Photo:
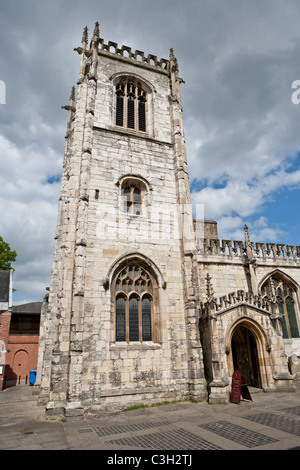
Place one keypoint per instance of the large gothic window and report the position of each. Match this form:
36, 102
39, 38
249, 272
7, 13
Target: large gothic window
283, 300
131, 101
133, 294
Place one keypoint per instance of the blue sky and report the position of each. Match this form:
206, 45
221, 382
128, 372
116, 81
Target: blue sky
274, 219
238, 60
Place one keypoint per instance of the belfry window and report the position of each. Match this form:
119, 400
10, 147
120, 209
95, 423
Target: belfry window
131, 104
283, 300
133, 291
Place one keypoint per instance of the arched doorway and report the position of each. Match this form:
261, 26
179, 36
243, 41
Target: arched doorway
245, 355
20, 364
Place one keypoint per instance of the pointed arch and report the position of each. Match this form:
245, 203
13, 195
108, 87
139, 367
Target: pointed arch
133, 103
252, 325
282, 292
134, 283
285, 276
131, 96
137, 177
260, 361
139, 258
146, 83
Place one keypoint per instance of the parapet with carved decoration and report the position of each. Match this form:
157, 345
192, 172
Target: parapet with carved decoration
275, 251
124, 52
218, 305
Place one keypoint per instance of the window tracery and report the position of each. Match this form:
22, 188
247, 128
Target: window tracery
133, 292
283, 300
131, 101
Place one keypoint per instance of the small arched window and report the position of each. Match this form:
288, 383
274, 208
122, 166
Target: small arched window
132, 199
283, 299
131, 101
133, 194
133, 291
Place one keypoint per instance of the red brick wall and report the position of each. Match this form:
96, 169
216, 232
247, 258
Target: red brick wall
21, 355
21, 358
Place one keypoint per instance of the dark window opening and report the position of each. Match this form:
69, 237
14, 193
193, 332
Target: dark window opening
131, 105
142, 116
146, 319
130, 112
133, 319
120, 108
120, 319
22, 324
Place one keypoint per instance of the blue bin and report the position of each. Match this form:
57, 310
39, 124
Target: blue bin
32, 377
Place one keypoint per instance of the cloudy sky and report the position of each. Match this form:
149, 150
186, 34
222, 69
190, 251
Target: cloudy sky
238, 58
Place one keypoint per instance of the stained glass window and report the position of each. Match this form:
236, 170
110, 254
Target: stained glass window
120, 318
282, 298
146, 318
133, 319
133, 291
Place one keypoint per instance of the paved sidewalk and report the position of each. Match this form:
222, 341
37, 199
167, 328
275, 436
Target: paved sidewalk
270, 422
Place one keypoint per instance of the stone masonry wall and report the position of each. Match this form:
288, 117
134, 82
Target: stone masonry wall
113, 234
227, 263
148, 371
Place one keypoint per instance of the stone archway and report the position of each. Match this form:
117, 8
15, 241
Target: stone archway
245, 355
20, 364
248, 346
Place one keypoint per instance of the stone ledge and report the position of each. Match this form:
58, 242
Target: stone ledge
134, 346
134, 134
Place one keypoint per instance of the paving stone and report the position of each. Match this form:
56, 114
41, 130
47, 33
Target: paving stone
238, 434
272, 420
178, 439
188, 427
119, 429
294, 410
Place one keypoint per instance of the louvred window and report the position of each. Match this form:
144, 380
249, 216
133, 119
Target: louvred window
131, 101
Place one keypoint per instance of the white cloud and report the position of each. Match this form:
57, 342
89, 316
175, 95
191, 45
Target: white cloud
235, 197
232, 228
236, 202
244, 198
28, 207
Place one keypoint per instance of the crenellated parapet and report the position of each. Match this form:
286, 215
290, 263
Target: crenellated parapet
123, 52
137, 55
273, 250
216, 305
221, 247
259, 250
213, 305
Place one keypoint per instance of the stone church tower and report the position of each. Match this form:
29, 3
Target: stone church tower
141, 309
120, 326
